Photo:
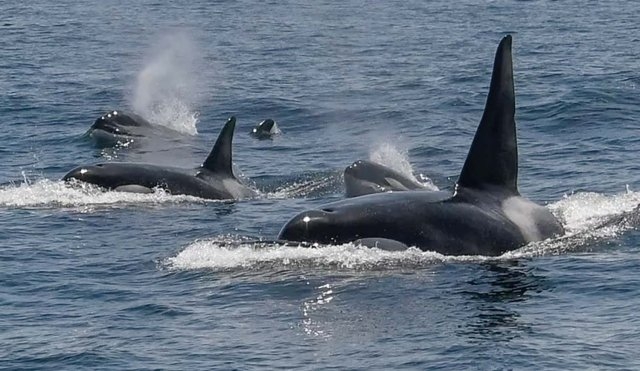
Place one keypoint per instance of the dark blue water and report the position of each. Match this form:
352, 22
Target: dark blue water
92, 280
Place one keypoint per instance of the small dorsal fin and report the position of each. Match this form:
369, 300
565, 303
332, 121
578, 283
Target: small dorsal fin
493, 157
219, 160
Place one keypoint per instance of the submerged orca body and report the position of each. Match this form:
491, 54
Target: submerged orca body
485, 215
265, 129
118, 127
365, 177
214, 179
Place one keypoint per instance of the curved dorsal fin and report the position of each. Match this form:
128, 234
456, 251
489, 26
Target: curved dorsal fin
219, 160
493, 156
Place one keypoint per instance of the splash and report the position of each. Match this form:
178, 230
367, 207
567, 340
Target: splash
311, 184
306, 187
224, 254
167, 87
388, 155
582, 212
48, 193
588, 219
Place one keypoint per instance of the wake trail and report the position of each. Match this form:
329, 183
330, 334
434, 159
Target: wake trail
588, 218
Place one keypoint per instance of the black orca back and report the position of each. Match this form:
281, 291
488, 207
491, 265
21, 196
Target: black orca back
493, 157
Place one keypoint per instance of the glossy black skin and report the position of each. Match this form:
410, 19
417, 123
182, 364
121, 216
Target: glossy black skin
197, 182
118, 127
470, 223
485, 215
265, 130
214, 179
366, 177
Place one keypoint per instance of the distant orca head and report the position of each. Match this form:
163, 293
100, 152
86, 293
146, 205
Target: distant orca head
485, 215
366, 177
118, 127
265, 129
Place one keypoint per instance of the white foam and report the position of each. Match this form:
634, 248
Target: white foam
224, 255
585, 217
583, 211
48, 193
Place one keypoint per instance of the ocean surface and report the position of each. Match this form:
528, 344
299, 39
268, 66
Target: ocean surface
109, 281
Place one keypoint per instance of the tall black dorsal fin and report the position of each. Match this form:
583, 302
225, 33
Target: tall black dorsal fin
493, 156
219, 160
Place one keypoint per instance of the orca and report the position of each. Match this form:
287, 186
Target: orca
265, 129
214, 179
365, 177
485, 215
124, 128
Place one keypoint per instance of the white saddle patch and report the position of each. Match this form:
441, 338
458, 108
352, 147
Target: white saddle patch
237, 190
522, 213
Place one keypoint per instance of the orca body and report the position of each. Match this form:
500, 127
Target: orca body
214, 179
265, 129
365, 177
485, 215
124, 128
